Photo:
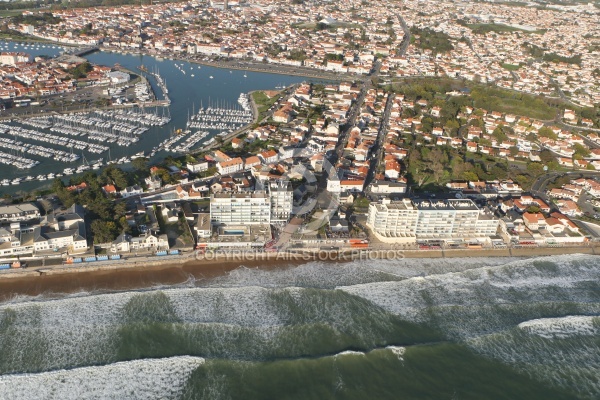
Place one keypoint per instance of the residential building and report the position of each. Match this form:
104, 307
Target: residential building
408, 220
131, 191
147, 241
230, 166
199, 166
19, 212
240, 208
282, 198
203, 226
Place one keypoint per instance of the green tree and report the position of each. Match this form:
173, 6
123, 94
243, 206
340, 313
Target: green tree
547, 132
535, 168
470, 176
104, 231
580, 151
547, 156
499, 134
140, 164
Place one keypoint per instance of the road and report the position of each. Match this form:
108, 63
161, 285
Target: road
539, 185
377, 149
353, 114
406, 40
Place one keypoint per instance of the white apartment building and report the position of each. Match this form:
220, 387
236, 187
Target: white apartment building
62, 232
230, 166
407, 220
282, 198
11, 58
19, 212
240, 208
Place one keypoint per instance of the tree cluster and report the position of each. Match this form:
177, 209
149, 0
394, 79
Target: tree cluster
107, 216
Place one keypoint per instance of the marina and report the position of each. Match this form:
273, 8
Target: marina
223, 116
59, 144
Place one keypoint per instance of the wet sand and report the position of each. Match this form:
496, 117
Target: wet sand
127, 278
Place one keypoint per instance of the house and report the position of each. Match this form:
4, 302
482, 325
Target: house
269, 156
284, 115
352, 185
569, 115
230, 166
170, 213
237, 143
77, 188
472, 147
569, 208
199, 166
534, 221
147, 241
109, 190
251, 162
338, 225
131, 191
387, 187
203, 226
392, 169
566, 162
153, 182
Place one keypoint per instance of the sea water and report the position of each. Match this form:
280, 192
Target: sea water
479, 328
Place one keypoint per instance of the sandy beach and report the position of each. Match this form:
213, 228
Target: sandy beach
137, 274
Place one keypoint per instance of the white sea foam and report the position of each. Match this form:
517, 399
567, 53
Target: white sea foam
398, 351
575, 325
330, 275
140, 379
62, 331
466, 304
350, 353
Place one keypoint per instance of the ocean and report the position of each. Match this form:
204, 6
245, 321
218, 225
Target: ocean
472, 328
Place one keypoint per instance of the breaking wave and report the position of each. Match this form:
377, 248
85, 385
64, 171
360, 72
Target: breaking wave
139, 379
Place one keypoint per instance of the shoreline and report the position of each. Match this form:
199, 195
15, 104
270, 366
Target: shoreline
136, 275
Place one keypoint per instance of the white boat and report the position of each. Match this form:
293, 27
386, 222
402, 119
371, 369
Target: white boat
29, 178
41, 177
68, 171
5, 182
51, 175
16, 181
211, 77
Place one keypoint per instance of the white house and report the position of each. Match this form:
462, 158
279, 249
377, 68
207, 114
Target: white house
131, 191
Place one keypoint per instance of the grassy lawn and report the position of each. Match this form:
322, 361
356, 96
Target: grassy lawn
482, 29
510, 67
507, 101
16, 36
10, 13
263, 103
